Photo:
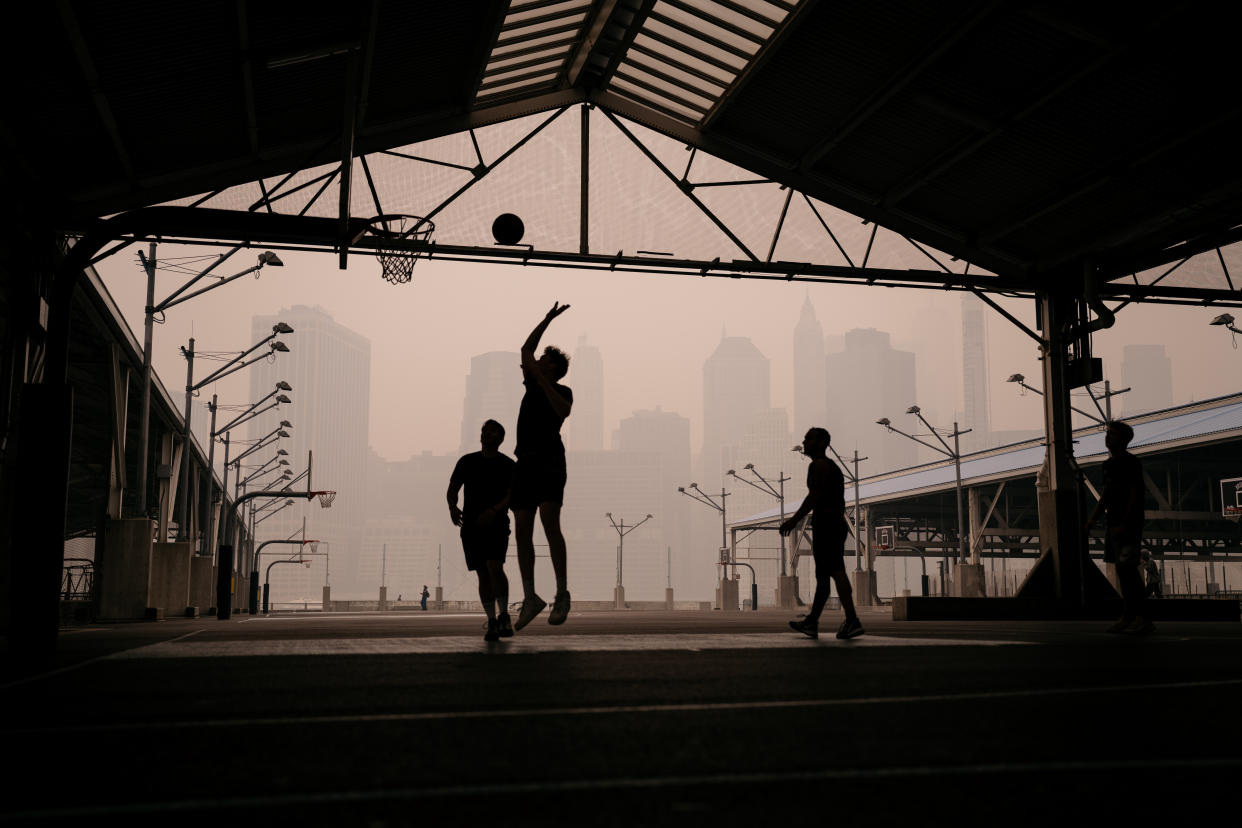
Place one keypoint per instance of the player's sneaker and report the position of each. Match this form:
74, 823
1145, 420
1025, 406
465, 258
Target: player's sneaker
531, 607
852, 628
493, 631
560, 609
504, 626
807, 629
1141, 626
1120, 625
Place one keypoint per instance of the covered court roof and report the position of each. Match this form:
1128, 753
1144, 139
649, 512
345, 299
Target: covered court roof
1198, 424
1023, 138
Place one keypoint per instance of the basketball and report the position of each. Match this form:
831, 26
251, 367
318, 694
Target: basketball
507, 229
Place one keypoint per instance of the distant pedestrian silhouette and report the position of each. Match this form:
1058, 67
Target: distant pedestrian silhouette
539, 480
423, 597
487, 476
825, 502
1155, 587
1121, 501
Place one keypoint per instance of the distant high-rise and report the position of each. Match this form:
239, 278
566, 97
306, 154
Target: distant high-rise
976, 407
493, 392
329, 367
736, 387
586, 379
1148, 372
808, 365
868, 380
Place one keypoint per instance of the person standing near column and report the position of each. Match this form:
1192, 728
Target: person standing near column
1121, 501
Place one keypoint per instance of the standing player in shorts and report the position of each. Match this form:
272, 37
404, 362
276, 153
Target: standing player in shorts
539, 480
825, 501
487, 476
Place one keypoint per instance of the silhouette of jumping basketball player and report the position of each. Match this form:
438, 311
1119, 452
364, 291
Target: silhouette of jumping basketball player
825, 501
487, 476
539, 480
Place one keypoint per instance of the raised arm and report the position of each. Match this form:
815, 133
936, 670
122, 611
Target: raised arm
532, 341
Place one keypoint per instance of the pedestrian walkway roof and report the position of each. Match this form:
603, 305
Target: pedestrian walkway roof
1198, 424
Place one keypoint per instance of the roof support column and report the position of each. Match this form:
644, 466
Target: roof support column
1063, 571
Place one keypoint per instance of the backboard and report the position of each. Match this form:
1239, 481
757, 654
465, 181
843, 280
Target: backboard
884, 538
1231, 498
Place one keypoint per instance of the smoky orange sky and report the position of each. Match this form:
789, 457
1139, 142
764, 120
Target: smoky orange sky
654, 333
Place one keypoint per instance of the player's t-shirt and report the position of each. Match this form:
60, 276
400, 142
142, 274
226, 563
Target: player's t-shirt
824, 476
486, 481
1122, 474
538, 424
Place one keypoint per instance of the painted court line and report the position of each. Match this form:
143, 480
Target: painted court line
626, 709
619, 784
447, 644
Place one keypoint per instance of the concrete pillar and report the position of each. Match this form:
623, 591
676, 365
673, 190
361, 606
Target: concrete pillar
383, 599
968, 581
440, 598
786, 591
327, 598
202, 581
668, 598
974, 500
728, 595
864, 587
123, 569
169, 583
618, 597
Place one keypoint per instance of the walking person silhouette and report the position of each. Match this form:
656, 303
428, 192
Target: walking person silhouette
487, 476
539, 479
825, 502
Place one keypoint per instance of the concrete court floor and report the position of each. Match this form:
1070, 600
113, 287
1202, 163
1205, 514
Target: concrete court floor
626, 718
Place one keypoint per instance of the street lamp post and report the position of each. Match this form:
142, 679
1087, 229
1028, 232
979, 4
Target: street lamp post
622, 531
150, 265
1105, 413
695, 493
784, 590
232, 366
954, 453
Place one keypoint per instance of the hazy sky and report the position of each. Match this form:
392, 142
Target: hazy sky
654, 333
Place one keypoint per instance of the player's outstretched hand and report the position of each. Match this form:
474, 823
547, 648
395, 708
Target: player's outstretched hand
557, 310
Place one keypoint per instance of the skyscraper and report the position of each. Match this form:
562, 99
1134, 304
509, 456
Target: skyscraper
736, 388
586, 378
868, 380
1148, 372
808, 363
493, 392
976, 408
329, 367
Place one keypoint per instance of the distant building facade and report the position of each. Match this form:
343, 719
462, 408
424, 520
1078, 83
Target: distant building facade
586, 378
810, 400
1148, 372
329, 367
493, 392
866, 380
976, 404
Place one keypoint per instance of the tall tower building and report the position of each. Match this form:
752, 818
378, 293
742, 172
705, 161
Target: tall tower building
493, 392
586, 378
329, 367
976, 406
666, 436
868, 380
1148, 372
808, 364
736, 388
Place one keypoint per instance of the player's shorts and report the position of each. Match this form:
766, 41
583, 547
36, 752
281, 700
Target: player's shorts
538, 479
828, 548
484, 546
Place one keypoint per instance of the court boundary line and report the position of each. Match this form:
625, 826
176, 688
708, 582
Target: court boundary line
632, 783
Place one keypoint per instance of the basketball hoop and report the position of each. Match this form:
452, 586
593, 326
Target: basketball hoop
325, 498
314, 545
391, 234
